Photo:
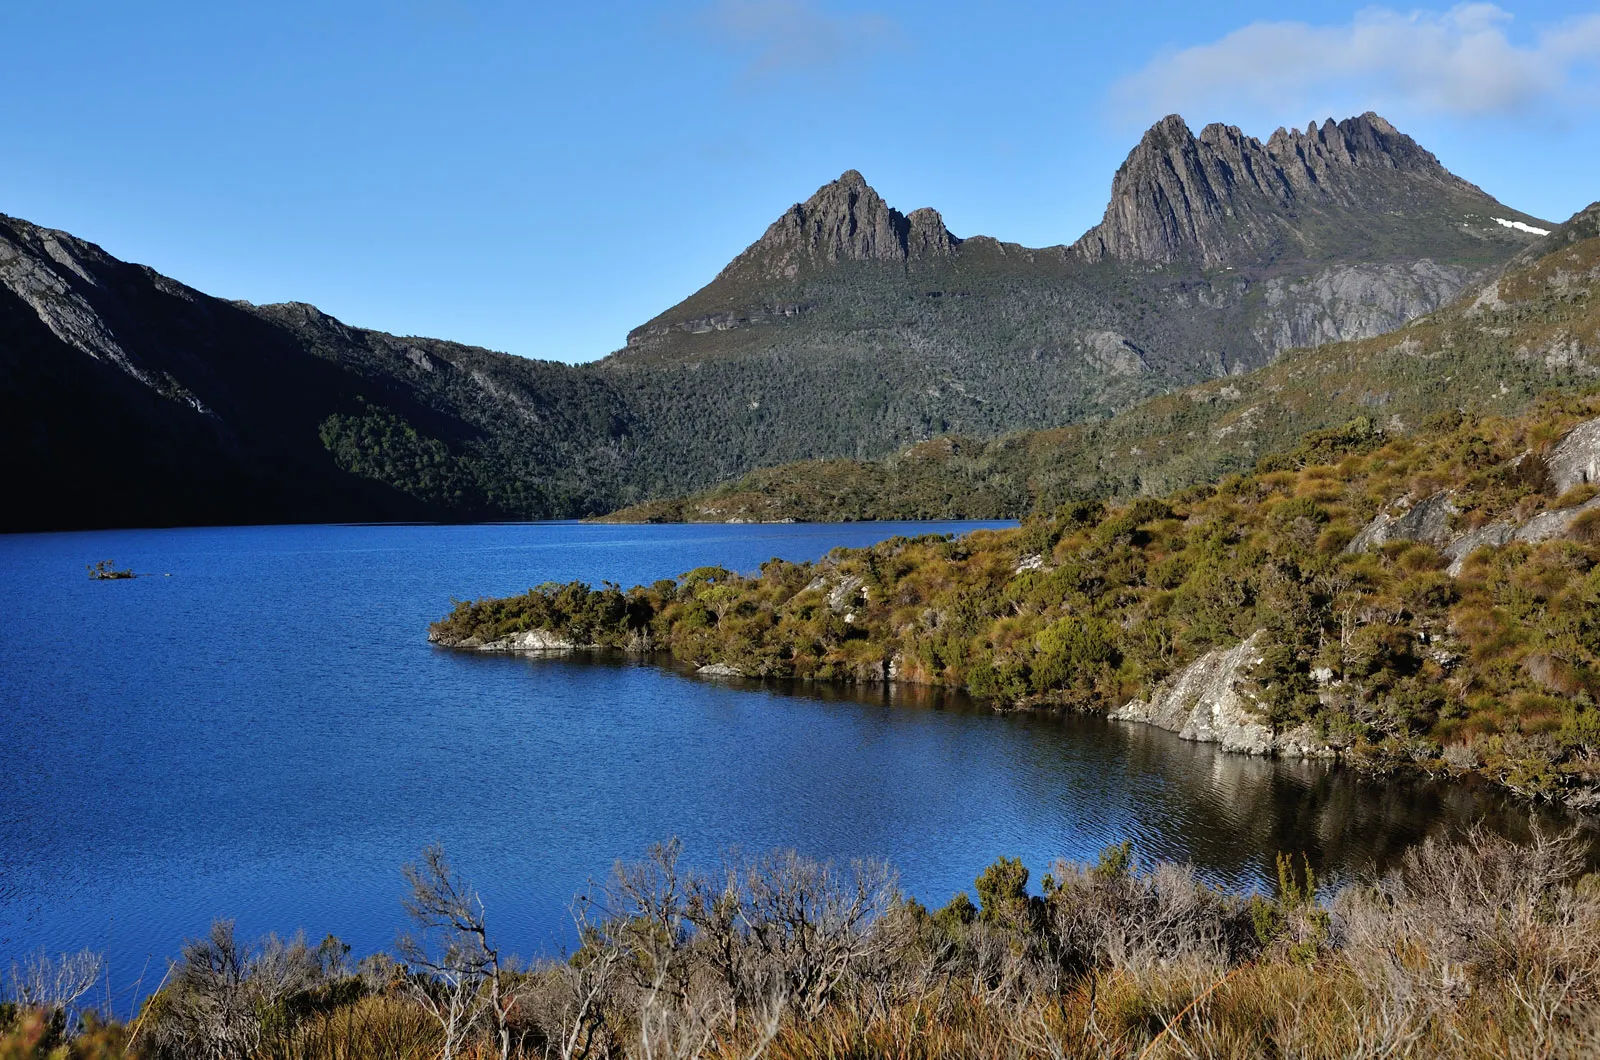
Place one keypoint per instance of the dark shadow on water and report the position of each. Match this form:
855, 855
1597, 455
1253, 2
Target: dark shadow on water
1228, 814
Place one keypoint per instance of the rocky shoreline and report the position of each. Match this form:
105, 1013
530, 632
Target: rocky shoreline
1207, 702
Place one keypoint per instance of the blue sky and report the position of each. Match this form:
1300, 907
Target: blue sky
540, 177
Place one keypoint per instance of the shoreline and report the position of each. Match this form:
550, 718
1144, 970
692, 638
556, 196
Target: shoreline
1289, 746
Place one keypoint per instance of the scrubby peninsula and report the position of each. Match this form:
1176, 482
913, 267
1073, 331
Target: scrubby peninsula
1426, 601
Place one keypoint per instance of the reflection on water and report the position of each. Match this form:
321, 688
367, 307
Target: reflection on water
1228, 814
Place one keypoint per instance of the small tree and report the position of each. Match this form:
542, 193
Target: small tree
462, 978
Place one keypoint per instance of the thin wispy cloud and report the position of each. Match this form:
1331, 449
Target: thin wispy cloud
1461, 62
775, 39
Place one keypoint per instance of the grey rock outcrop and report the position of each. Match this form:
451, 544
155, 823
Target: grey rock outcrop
1545, 526
1428, 520
1113, 353
533, 641
1347, 302
1224, 198
720, 670
1574, 461
1576, 458
1492, 536
845, 594
1209, 701
1549, 525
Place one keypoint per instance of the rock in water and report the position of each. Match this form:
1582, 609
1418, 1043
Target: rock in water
1209, 701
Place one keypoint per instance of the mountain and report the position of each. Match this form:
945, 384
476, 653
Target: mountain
1352, 189
127, 398
875, 329
847, 330
1533, 329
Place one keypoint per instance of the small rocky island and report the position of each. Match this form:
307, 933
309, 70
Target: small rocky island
107, 571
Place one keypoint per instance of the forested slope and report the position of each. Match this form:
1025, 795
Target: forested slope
1537, 327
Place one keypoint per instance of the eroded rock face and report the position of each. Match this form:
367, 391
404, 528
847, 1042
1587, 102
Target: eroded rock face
1427, 520
1209, 701
1576, 458
1349, 302
1223, 197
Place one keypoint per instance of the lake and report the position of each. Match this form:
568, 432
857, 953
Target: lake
261, 731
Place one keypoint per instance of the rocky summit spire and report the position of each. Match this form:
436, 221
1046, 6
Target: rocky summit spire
1226, 198
846, 220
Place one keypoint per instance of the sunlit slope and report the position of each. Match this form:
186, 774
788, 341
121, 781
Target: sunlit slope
1537, 328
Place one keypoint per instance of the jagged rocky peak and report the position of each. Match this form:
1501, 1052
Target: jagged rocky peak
846, 220
1223, 196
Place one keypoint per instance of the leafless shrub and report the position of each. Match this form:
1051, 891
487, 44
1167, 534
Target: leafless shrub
1471, 948
1108, 916
458, 974
55, 983
223, 994
1481, 919
811, 925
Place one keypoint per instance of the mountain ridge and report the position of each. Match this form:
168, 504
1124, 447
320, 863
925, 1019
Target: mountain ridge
847, 330
1534, 328
1178, 195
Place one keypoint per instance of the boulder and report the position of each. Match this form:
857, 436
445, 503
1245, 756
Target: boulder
1209, 701
1494, 535
1547, 525
1427, 520
533, 640
1576, 458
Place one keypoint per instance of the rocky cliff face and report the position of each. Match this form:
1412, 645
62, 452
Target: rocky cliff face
1346, 302
1227, 199
846, 220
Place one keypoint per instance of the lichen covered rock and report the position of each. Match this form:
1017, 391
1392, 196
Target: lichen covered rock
1210, 701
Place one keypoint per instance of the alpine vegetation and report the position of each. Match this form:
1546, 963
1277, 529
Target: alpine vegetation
1471, 948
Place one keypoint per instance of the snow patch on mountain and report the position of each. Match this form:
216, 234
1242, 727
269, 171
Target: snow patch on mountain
1521, 226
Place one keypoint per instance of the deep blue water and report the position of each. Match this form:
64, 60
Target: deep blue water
266, 735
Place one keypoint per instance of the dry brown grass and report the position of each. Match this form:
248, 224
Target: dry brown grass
1477, 949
